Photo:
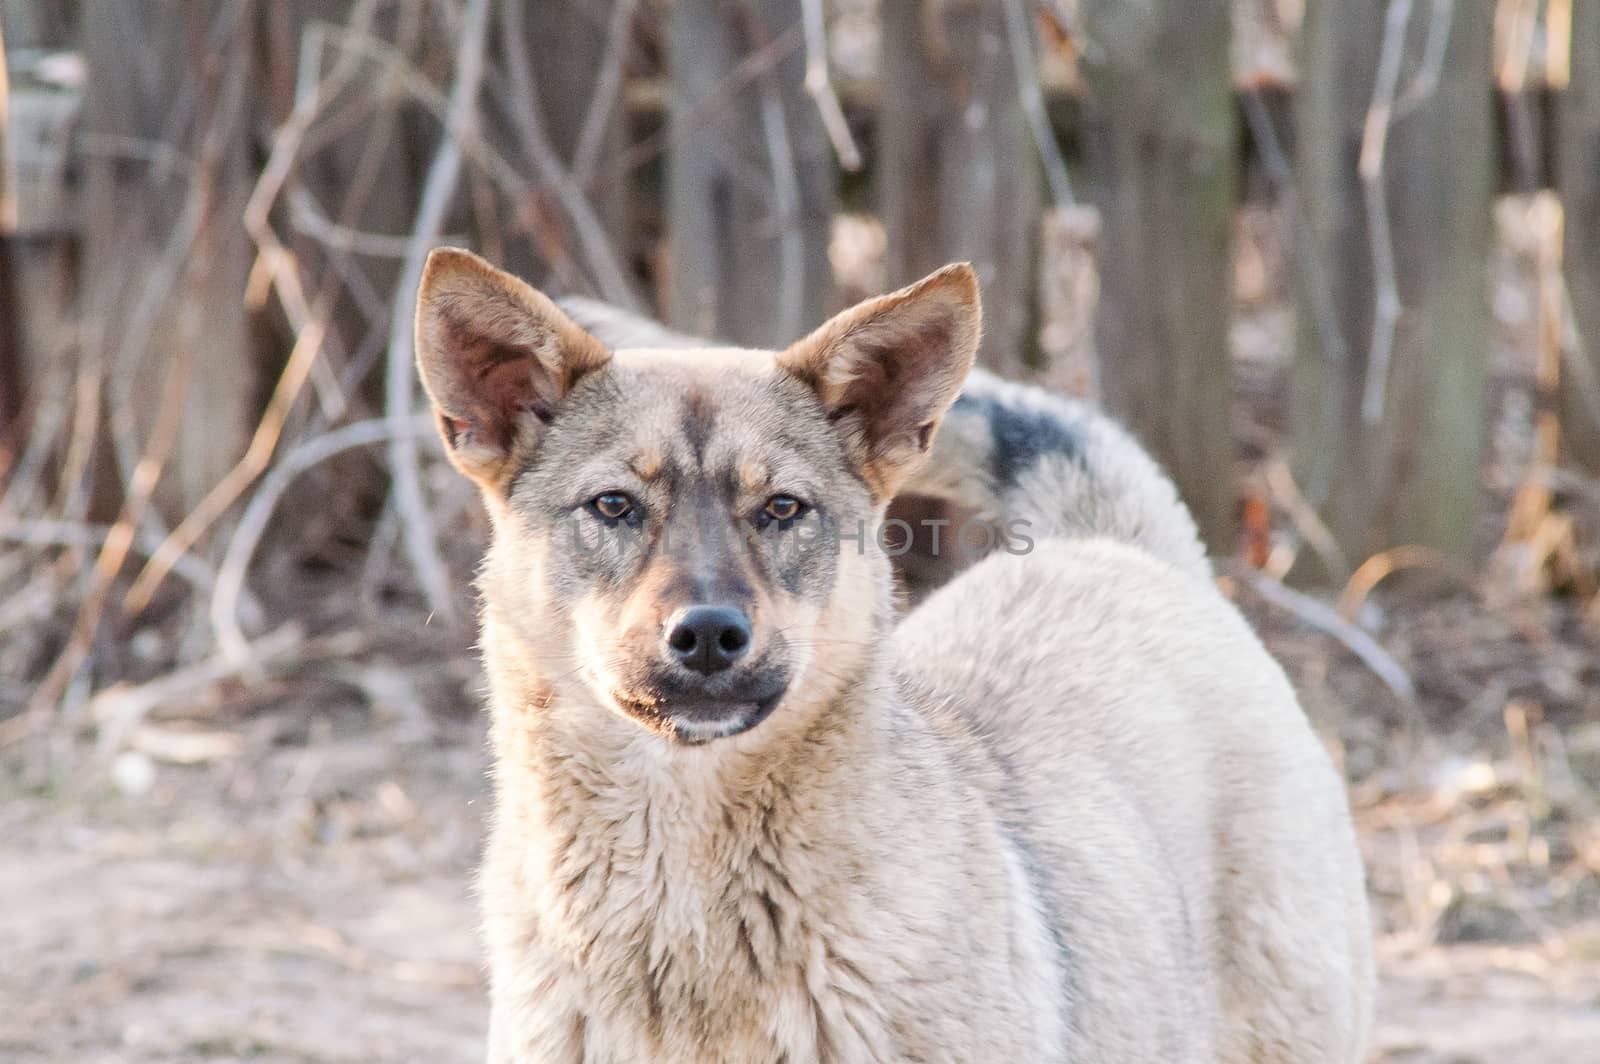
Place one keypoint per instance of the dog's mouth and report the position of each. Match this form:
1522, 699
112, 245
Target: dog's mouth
696, 719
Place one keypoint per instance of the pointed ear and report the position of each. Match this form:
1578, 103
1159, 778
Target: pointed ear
887, 369
496, 358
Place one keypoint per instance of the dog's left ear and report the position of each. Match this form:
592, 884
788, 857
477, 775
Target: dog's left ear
497, 358
887, 369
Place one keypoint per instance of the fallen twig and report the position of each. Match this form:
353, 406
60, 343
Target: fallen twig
1372, 572
1326, 619
1286, 493
119, 710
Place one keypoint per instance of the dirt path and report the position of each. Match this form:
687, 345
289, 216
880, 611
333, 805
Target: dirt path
315, 907
309, 901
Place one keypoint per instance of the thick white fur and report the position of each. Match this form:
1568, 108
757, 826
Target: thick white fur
1066, 810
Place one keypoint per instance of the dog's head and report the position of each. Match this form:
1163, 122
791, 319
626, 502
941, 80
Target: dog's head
687, 537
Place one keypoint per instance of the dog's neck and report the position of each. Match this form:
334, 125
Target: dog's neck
631, 855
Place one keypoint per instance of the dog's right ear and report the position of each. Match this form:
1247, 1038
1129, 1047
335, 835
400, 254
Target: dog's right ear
887, 369
496, 357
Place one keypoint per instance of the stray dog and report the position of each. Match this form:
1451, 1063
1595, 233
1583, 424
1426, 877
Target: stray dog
1067, 809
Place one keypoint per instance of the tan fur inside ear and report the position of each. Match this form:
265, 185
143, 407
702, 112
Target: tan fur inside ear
887, 369
496, 357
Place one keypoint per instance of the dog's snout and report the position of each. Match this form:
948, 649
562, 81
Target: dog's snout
708, 639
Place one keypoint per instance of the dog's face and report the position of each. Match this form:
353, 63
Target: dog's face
687, 537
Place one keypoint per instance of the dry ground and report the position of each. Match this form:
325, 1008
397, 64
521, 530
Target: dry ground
303, 893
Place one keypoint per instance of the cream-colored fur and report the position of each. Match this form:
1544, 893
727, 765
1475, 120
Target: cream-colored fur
1066, 810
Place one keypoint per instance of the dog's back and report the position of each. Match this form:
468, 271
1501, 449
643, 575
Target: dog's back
1210, 859
1206, 819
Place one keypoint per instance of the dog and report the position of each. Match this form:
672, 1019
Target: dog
1065, 809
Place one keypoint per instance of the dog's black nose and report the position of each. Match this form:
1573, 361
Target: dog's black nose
709, 638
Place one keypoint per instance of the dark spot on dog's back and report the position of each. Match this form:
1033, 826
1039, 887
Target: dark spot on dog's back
1020, 437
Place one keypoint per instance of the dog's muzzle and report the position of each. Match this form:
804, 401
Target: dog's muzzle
696, 714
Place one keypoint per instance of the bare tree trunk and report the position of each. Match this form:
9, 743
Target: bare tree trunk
571, 42
751, 178
1389, 448
167, 258
958, 176
1578, 179
1162, 143
12, 369
35, 251
38, 23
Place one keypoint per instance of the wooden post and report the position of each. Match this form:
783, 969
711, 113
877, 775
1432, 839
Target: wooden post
166, 255
1578, 180
958, 176
1161, 140
750, 178
1393, 457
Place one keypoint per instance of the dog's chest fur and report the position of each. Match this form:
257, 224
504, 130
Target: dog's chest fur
654, 921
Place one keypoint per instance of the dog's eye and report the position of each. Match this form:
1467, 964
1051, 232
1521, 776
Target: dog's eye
611, 505
784, 508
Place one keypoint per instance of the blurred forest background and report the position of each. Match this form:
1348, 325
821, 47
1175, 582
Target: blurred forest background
1337, 262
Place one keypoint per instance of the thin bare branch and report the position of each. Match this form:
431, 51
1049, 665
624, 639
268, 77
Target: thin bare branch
607, 90
309, 220
1375, 137
541, 154
819, 83
785, 187
1313, 270
36, 532
142, 479
1031, 93
25, 477
438, 191
309, 324
8, 199
231, 574
1441, 16
707, 109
